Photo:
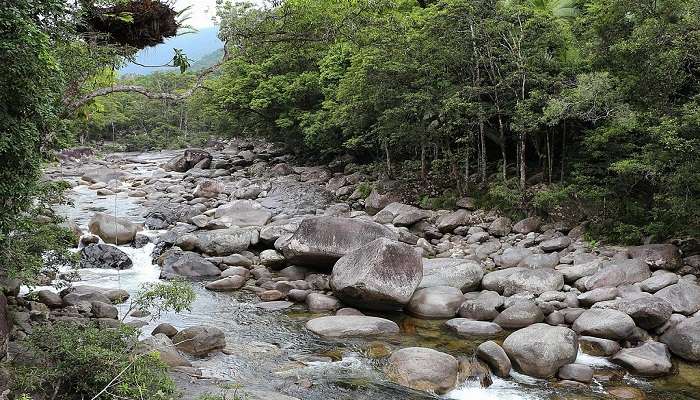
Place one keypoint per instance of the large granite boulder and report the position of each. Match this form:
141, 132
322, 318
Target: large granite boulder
527, 225
376, 201
535, 281
188, 160
337, 326
242, 213
167, 352
219, 242
495, 357
683, 339
401, 214
604, 323
423, 369
104, 175
470, 328
459, 273
104, 256
519, 315
500, 226
321, 241
648, 312
200, 340
448, 222
649, 359
658, 256
113, 230
496, 280
209, 188
177, 263
166, 214
381, 275
540, 349
436, 302
618, 273
684, 297
511, 257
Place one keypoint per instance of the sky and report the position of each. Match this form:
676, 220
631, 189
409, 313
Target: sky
201, 12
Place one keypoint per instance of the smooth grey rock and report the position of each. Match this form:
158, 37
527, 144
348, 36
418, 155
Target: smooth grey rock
598, 346
464, 275
527, 225
683, 297
604, 323
219, 242
648, 312
401, 214
511, 257
533, 281
482, 308
351, 325
200, 340
437, 302
113, 230
649, 359
683, 339
243, 213
321, 241
380, 275
540, 350
495, 357
658, 282
520, 315
187, 264
658, 256
576, 372
167, 352
423, 369
318, 302
496, 280
587, 299
578, 271
470, 328
232, 282
550, 260
500, 226
448, 222
618, 273
555, 244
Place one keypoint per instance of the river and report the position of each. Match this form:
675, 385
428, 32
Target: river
271, 351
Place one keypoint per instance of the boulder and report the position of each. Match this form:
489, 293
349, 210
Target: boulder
242, 213
380, 275
618, 273
500, 226
166, 214
540, 349
495, 357
533, 281
88, 293
470, 328
375, 202
51, 299
200, 340
587, 299
578, 271
104, 256
511, 257
423, 369
226, 284
555, 244
604, 323
658, 282
219, 242
649, 359
527, 225
598, 346
448, 222
321, 241
103, 175
401, 214
337, 326
464, 275
166, 329
167, 352
482, 308
683, 339
437, 302
535, 261
648, 312
103, 310
683, 297
188, 160
576, 372
271, 258
209, 188
496, 280
658, 256
519, 315
318, 302
113, 230
187, 264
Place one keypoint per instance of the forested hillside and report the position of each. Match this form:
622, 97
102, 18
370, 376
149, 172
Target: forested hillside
582, 110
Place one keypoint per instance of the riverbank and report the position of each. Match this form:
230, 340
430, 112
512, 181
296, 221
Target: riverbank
280, 245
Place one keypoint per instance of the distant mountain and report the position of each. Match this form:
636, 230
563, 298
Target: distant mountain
196, 45
208, 60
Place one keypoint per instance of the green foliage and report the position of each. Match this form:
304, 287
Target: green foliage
176, 295
503, 196
364, 189
77, 362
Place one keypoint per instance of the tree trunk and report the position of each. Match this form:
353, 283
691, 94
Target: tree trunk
466, 170
501, 131
388, 158
422, 163
523, 137
482, 161
549, 159
563, 152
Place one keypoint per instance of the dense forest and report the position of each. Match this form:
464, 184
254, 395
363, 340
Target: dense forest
587, 110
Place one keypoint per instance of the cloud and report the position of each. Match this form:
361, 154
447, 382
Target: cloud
201, 12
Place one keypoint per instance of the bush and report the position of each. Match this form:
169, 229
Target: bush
78, 362
503, 196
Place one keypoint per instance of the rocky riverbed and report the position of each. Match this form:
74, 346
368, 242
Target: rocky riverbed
310, 287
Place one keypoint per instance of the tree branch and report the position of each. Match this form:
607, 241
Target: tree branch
72, 104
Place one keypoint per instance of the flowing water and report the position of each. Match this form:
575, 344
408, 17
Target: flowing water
273, 351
